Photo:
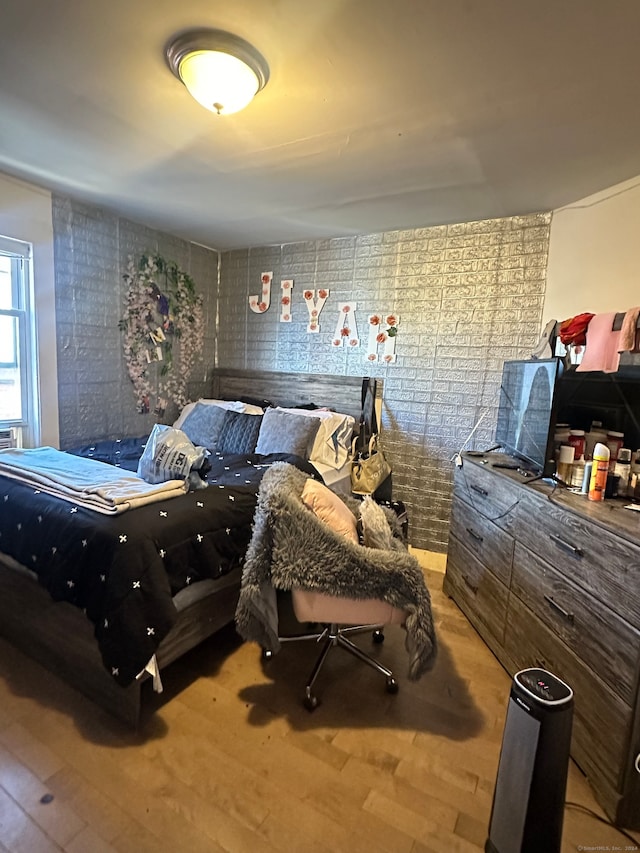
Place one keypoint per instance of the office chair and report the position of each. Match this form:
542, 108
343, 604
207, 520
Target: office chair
336, 617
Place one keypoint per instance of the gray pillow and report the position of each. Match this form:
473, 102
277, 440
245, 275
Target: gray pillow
203, 425
239, 433
284, 432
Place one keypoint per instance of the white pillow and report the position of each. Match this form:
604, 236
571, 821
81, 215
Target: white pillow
333, 440
231, 405
247, 408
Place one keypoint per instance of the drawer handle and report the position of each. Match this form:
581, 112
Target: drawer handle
566, 546
474, 589
475, 535
480, 491
568, 616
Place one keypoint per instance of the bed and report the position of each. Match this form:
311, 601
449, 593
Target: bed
173, 567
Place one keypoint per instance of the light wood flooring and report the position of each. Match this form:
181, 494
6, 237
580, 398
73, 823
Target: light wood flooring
227, 759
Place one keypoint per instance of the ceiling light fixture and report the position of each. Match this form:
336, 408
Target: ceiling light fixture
222, 71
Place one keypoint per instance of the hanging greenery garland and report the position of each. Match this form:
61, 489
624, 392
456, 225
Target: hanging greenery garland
163, 329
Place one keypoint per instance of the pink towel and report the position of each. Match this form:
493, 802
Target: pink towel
601, 352
629, 331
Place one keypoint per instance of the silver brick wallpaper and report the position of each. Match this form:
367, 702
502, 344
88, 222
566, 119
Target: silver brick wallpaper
468, 296
91, 249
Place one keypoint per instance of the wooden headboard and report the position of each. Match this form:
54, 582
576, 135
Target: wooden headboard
341, 393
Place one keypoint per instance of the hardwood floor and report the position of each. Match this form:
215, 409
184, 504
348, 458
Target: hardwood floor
227, 759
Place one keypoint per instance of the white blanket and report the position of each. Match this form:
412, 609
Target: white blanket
84, 482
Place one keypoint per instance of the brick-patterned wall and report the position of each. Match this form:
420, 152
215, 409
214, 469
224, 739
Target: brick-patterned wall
91, 248
469, 296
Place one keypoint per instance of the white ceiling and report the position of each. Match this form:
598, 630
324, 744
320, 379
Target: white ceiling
379, 114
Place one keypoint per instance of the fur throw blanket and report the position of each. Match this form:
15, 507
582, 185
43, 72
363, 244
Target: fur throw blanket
290, 547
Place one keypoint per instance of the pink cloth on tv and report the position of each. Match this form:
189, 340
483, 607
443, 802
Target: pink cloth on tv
601, 352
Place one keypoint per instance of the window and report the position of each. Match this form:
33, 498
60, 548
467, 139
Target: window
16, 335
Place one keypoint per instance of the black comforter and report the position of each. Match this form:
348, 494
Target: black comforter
123, 570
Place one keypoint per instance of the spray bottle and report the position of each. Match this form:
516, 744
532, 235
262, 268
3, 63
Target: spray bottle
599, 472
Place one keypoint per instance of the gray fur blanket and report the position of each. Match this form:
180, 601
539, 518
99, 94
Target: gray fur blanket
290, 548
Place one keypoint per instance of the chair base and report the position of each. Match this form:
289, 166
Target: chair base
334, 636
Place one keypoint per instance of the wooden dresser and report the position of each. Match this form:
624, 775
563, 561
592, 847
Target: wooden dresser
551, 579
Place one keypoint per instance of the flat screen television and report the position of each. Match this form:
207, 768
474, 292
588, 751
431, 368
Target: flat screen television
526, 412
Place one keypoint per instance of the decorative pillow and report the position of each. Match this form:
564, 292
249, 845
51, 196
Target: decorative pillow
329, 508
376, 532
203, 425
333, 439
239, 432
232, 405
283, 432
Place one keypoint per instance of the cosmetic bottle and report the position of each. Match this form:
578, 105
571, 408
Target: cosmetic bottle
586, 479
622, 469
577, 473
599, 472
615, 440
634, 475
577, 440
565, 463
596, 433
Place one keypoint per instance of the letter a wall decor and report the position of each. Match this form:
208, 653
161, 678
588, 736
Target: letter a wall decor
346, 327
261, 302
286, 286
314, 307
383, 331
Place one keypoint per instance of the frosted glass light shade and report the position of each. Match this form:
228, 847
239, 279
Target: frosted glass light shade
220, 82
221, 71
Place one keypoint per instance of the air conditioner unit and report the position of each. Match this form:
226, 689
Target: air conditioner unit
10, 438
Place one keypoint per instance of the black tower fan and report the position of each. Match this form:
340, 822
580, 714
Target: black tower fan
528, 801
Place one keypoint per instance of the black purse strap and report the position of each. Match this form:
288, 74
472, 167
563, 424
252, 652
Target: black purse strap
368, 424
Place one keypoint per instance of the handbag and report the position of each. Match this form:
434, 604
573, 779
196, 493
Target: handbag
369, 469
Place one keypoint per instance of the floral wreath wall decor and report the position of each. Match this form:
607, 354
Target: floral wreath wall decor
383, 331
163, 328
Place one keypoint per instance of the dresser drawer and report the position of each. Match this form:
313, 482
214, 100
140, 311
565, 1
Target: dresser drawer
601, 639
491, 545
476, 590
491, 494
604, 564
601, 719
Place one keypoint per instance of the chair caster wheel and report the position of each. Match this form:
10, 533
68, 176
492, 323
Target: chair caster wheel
267, 654
311, 702
392, 685
378, 636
